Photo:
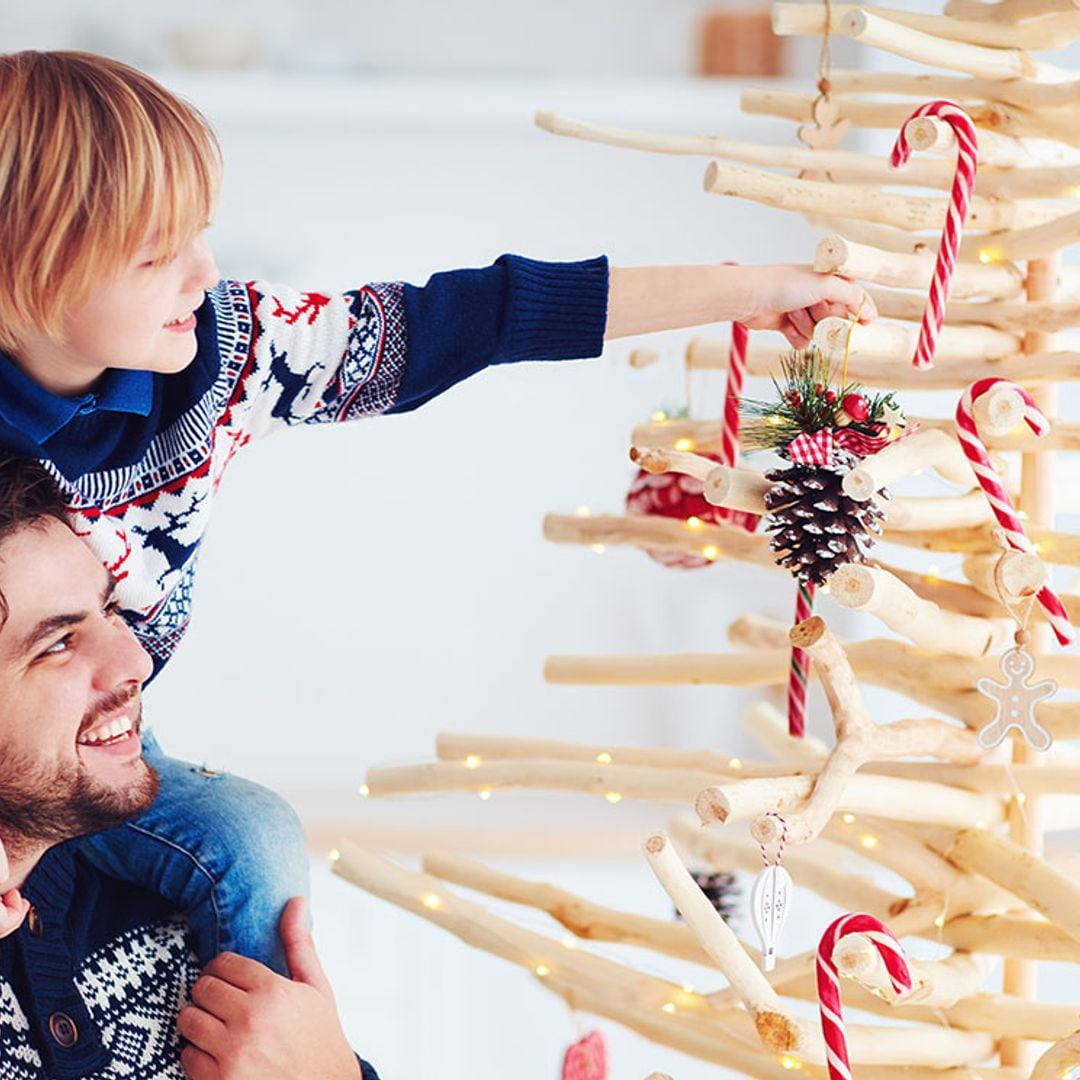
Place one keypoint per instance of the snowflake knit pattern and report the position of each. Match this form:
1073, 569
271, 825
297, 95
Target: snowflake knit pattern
133, 987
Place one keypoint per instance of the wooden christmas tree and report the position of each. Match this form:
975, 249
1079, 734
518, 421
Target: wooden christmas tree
925, 795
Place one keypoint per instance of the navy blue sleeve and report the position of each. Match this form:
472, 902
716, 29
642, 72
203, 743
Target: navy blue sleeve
366, 1071
463, 321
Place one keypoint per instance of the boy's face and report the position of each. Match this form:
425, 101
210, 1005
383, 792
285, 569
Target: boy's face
70, 701
143, 319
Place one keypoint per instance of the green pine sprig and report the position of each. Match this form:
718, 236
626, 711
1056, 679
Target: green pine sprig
806, 402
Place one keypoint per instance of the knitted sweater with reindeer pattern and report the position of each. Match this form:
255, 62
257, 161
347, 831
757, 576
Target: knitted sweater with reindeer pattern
140, 458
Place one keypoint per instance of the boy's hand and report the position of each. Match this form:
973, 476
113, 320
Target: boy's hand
13, 909
792, 299
248, 1023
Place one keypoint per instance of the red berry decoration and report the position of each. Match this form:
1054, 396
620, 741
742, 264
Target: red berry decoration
673, 495
857, 407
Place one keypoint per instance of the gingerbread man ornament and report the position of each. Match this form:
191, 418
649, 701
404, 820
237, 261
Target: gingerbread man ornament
1016, 700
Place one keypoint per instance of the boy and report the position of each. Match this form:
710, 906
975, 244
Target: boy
136, 375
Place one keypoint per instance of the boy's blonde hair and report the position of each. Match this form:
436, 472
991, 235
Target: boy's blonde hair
93, 156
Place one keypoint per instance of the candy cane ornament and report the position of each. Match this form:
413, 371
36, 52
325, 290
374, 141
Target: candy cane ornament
1000, 503
800, 664
959, 200
729, 434
828, 982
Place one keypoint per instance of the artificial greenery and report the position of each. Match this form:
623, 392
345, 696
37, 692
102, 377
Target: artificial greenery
808, 402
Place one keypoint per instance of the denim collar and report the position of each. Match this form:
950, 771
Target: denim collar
39, 414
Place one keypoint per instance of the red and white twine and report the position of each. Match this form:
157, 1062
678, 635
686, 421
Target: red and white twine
780, 842
959, 200
828, 982
1013, 528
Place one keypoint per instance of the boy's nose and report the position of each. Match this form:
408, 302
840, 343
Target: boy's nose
204, 273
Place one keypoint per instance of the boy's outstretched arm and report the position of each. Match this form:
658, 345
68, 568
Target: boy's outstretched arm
790, 299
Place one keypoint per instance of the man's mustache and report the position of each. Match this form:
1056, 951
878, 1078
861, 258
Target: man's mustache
111, 703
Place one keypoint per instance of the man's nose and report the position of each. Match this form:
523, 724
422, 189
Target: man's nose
121, 660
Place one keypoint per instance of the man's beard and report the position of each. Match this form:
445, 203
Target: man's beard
42, 805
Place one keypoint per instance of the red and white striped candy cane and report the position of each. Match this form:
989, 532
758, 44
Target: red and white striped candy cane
800, 664
959, 199
729, 435
995, 492
828, 983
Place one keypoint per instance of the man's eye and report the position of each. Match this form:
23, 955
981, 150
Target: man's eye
112, 608
58, 647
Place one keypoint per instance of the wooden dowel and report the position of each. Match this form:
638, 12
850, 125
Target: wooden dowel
1010, 12
877, 592
474, 749
888, 36
1024, 874
770, 727
866, 202
1061, 1060
584, 919
925, 87
836, 255
879, 796
923, 450
999, 151
844, 166
587, 982
740, 489
1017, 574
615, 781
1011, 937
1052, 315
895, 342
1048, 33
667, 534
946, 512
1030, 243
1059, 548
716, 937
888, 372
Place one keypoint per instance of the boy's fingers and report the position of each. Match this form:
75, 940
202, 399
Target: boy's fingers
300, 954
13, 910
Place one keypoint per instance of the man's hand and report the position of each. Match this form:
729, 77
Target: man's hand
13, 909
248, 1023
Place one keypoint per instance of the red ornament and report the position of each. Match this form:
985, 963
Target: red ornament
856, 406
673, 495
586, 1059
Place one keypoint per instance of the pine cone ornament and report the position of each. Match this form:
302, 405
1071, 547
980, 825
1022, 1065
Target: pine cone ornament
815, 527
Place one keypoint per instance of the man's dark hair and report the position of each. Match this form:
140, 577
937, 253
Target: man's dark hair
28, 493
29, 498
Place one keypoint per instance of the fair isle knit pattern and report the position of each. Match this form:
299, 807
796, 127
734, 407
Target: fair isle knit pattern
287, 358
133, 987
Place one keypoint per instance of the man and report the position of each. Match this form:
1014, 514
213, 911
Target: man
99, 979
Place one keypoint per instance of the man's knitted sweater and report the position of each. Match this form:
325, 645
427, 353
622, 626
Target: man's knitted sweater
91, 984
140, 459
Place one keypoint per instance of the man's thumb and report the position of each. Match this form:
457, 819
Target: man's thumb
300, 952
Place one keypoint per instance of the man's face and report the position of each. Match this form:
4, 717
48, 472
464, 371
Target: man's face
70, 703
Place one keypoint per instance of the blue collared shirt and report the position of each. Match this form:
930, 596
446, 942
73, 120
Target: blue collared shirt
39, 414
